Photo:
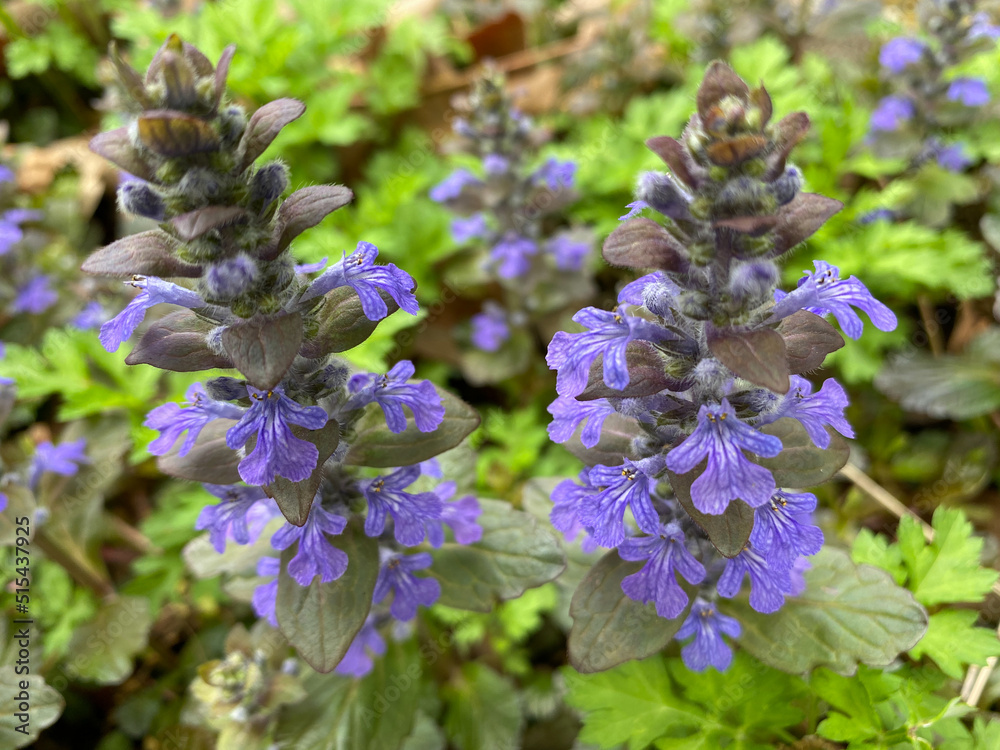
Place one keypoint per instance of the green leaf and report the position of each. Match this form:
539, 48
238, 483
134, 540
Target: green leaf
847, 614
947, 570
45, 707
854, 698
320, 620
801, 463
102, 651
376, 712
608, 627
873, 549
953, 641
482, 710
516, 553
374, 445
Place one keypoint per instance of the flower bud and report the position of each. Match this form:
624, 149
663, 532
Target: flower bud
659, 298
231, 277
787, 186
695, 304
753, 282
226, 388
139, 198
232, 122
200, 187
663, 194
268, 183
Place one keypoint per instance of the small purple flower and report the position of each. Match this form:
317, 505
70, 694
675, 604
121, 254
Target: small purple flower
707, 625
633, 292
153, 291
513, 254
567, 414
231, 277
768, 583
824, 292
392, 392
618, 488
971, 92
277, 452
815, 410
316, 556
568, 497
665, 553
412, 512
982, 27
3, 497
35, 296
879, 214
357, 662
891, 112
568, 253
229, 518
490, 328
722, 437
898, 53
460, 515
431, 468
91, 316
635, 208
782, 528
463, 230
6, 174
953, 157
10, 224
358, 271
265, 596
172, 421
311, 267
64, 459
451, 187
410, 592
556, 174
610, 332
495, 164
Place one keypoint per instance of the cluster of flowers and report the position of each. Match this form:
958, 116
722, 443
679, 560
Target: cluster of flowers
509, 209
287, 427
700, 362
928, 98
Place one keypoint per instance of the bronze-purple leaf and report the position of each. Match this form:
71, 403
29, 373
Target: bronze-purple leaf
719, 82
762, 100
195, 223
303, 209
800, 218
646, 375
116, 147
642, 243
147, 254
729, 531
264, 348
801, 463
614, 446
676, 157
264, 126
177, 342
342, 324
129, 78
808, 339
788, 132
731, 151
222, 71
201, 64
171, 133
295, 498
756, 355
209, 460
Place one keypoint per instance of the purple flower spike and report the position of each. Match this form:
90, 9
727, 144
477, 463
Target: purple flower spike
610, 332
707, 625
824, 292
230, 519
489, 328
463, 230
392, 392
892, 112
278, 451
411, 512
460, 515
665, 553
153, 291
35, 297
451, 187
897, 54
316, 556
618, 488
815, 410
768, 583
410, 592
568, 253
357, 662
971, 92
172, 421
265, 596
728, 475
782, 528
567, 414
513, 254
62, 459
358, 271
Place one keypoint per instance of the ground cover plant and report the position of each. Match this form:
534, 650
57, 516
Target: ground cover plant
512, 375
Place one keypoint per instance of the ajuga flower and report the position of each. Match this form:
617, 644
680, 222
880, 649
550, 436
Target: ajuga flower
316, 555
707, 625
35, 296
618, 488
233, 517
392, 392
892, 112
971, 92
357, 662
568, 414
64, 459
664, 554
769, 583
411, 512
490, 328
409, 591
782, 528
152, 291
815, 410
459, 515
172, 421
265, 596
897, 54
